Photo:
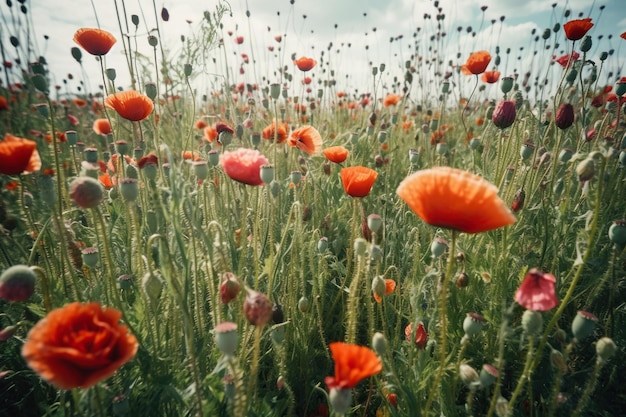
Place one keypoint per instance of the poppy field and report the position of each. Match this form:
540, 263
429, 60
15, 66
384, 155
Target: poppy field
445, 238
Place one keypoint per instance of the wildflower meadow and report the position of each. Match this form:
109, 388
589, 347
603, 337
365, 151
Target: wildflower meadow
238, 228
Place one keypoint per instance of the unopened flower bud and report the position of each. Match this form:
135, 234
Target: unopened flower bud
504, 114
532, 322
564, 116
468, 374
304, 304
378, 286
605, 348
229, 288
17, 283
379, 343
586, 169
360, 246
152, 286
617, 233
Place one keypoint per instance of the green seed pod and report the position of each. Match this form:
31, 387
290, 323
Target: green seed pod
617, 233
226, 337
488, 375
129, 189
200, 169
585, 44
322, 244
473, 324
90, 257
583, 325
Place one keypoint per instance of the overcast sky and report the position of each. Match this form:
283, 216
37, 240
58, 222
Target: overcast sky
362, 32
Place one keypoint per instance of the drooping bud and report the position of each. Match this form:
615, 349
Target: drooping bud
378, 286
586, 169
304, 304
229, 288
379, 343
468, 374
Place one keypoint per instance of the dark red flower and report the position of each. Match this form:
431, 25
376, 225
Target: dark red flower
576, 29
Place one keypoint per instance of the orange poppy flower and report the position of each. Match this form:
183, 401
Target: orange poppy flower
4, 104
490, 77
102, 127
305, 64
79, 102
95, 41
270, 131
107, 181
476, 63
210, 133
623, 36
307, 139
18, 156
130, 105
191, 156
391, 100
336, 154
358, 181
455, 199
390, 287
353, 363
200, 124
79, 345
576, 29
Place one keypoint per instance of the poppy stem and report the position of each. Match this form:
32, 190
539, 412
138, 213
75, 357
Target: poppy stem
443, 324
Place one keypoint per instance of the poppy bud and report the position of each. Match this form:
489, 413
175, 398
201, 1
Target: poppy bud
374, 222
275, 188
379, 343
557, 361
7, 333
564, 116
229, 288
17, 283
585, 44
187, 70
111, 74
518, 200
151, 90
532, 322
462, 280
303, 304
468, 374
153, 41
583, 325
571, 76
504, 114
152, 285
620, 88
565, 155
546, 34
605, 348
226, 337
86, 192
77, 54
378, 286
586, 169
257, 308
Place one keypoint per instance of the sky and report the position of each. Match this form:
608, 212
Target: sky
347, 38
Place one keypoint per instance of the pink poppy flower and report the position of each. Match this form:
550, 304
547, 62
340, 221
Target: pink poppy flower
537, 291
244, 165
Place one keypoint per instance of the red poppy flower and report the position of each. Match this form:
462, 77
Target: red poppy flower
537, 292
277, 131
79, 345
476, 63
102, 126
307, 139
244, 165
390, 287
391, 100
566, 61
79, 102
421, 337
336, 154
305, 64
200, 124
4, 104
455, 199
490, 77
353, 363
95, 41
191, 156
18, 156
130, 105
623, 36
576, 29
239, 40
358, 181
